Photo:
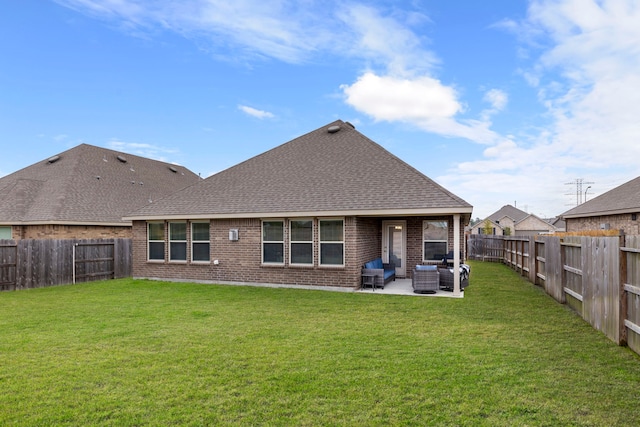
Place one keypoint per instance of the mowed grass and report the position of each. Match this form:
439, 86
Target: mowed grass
136, 352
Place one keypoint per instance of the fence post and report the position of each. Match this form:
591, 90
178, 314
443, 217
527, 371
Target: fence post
622, 340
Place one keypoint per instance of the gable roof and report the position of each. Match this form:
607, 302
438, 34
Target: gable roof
622, 199
333, 170
507, 210
87, 185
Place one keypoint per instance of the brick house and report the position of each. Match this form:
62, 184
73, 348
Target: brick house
617, 209
509, 220
83, 193
309, 212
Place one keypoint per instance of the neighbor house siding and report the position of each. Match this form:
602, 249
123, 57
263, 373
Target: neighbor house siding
51, 231
622, 222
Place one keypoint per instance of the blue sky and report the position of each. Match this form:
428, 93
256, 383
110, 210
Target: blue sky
501, 102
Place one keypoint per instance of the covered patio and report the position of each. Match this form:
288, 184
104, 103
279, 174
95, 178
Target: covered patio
403, 287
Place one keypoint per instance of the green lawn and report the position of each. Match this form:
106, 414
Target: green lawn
135, 352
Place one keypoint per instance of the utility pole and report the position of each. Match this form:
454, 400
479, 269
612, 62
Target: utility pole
578, 182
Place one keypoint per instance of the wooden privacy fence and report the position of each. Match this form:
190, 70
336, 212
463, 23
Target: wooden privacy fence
36, 263
598, 277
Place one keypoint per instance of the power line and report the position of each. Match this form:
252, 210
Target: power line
579, 182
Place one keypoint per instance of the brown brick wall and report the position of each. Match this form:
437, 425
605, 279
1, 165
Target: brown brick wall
624, 222
50, 231
414, 238
240, 261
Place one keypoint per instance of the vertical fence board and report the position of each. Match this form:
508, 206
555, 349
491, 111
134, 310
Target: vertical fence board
553, 268
8, 265
632, 299
33, 263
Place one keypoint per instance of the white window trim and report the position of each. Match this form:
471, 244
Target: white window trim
284, 239
320, 242
149, 241
186, 256
446, 241
193, 241
291, 242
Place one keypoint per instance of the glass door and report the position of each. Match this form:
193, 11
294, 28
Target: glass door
393, 245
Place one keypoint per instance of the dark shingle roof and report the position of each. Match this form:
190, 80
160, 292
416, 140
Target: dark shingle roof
507, 210
622, 199
320, 172
87, 185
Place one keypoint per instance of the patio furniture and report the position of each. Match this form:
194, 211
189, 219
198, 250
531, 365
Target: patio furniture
446, 277
425, 279
383, 272
369, 279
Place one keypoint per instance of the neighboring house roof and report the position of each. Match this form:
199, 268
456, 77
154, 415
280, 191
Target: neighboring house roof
521, 220
622, 199
87, 185
507, 210
334, 170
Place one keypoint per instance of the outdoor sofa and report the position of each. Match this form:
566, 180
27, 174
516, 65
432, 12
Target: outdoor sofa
383, 272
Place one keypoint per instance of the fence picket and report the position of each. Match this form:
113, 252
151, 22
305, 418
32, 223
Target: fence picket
598, 277
34, 263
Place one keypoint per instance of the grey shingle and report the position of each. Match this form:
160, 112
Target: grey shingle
622, 199
319, 172
87, 185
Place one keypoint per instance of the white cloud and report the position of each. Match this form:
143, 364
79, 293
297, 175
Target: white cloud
422, 101
385, 40
585, 55
497, 98
260, 114
396, 99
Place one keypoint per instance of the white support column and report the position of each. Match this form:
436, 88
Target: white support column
456, 255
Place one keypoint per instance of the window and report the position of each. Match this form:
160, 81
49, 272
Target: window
177, 241
155, 238
200, 242
435, 235
273, 242
331, 242
301, 233
5, 232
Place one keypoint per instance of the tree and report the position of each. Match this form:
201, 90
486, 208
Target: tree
487, 228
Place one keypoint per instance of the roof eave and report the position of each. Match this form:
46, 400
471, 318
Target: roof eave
123, 223
302, 214
601, 213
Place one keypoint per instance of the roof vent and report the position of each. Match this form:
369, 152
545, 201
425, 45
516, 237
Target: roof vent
53, 159
333, 129
349, 123
172, 169
122, 159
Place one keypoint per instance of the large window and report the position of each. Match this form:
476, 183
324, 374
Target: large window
435, 235
200, 242
273, 242
301, 233
177, 241
155, 240
331, 242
